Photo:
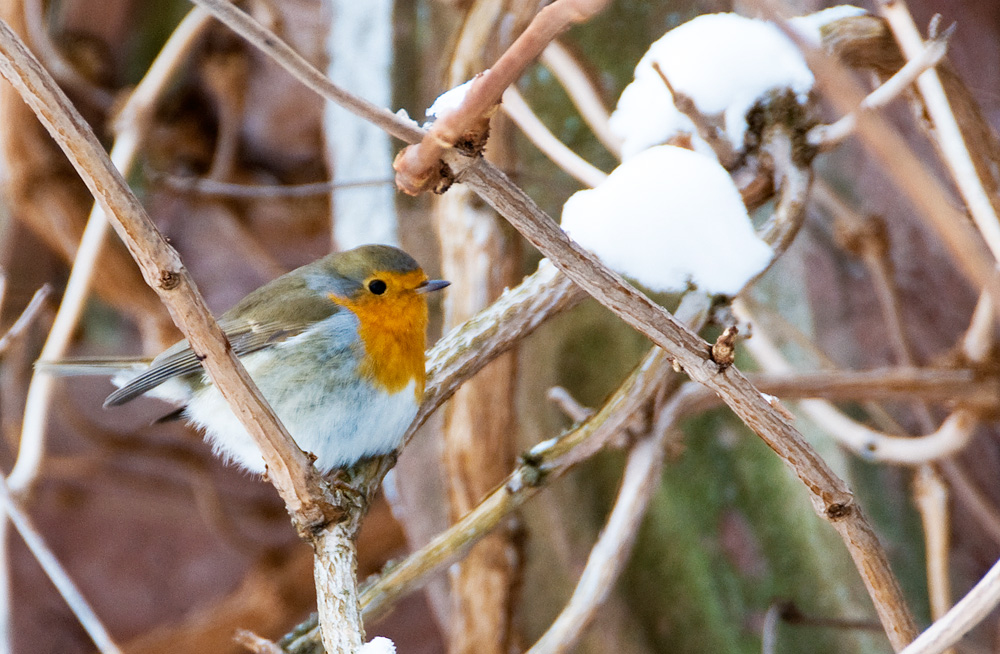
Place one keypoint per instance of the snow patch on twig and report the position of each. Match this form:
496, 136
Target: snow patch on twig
725, 63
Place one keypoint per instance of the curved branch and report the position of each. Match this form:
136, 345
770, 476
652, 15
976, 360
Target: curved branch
570, 162
578, 86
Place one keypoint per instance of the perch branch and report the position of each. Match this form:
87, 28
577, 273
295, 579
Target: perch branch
290, 470
25, 319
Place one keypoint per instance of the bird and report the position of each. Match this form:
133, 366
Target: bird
337, 347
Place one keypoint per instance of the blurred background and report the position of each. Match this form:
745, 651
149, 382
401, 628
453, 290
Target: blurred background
175, 551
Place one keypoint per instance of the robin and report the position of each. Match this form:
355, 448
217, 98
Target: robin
336, 347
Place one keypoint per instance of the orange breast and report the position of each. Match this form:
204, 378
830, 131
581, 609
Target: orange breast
393, 330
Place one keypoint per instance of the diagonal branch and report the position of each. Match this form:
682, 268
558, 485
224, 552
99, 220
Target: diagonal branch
291, 472
830, 496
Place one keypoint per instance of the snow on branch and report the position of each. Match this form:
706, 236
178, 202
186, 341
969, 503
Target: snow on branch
724, 63
669, 217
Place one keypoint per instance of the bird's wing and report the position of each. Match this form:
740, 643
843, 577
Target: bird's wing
180, 359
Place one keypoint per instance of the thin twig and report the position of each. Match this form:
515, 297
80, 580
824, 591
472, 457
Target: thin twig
55, 571
966, 614
709, 128
931, 496
570, 162
609, 555
212, 188
283, 54
26, 318
56, 63
981, 508
568, 404
769, 632
928, 195
830, 136
979, 337
948, 134
966, 386
580, 89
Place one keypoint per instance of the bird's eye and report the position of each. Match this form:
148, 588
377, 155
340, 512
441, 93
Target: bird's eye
377, 286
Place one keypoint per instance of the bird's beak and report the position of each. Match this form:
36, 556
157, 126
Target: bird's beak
432, 285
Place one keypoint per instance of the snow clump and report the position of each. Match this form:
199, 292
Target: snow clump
669, 217
724, 62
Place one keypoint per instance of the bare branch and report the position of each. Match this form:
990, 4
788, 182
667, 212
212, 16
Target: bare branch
417, 167
132, 125
571, 75
570, 162
26, 318
829, 136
